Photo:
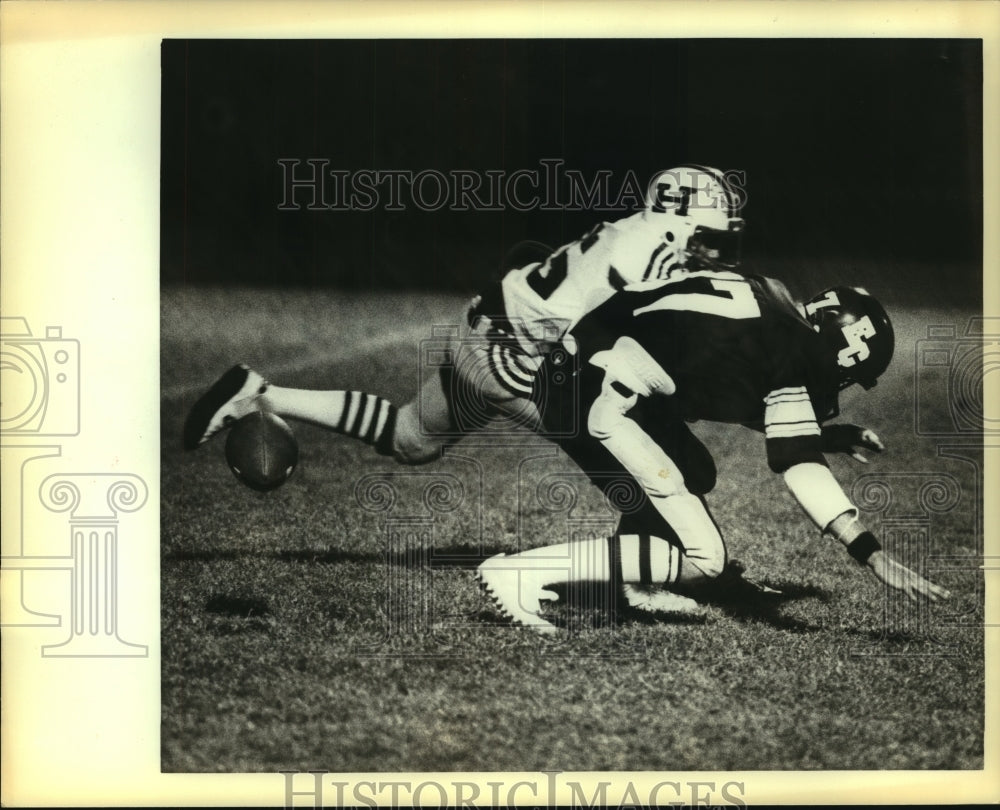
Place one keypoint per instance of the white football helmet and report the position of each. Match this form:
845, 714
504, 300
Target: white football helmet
699, 208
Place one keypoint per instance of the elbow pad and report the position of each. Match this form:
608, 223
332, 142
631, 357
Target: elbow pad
818, 493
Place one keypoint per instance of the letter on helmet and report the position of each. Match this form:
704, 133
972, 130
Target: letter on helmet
855, 332
700, 215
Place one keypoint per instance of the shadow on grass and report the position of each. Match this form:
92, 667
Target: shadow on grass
462, 556
234, 614
756, 602
584, 605
241, 606
597, 606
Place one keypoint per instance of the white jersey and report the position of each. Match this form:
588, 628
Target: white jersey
545, 300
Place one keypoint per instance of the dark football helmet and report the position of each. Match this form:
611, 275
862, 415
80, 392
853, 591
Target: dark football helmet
856, 335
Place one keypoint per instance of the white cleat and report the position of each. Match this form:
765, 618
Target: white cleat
658, 600
517, 590
234, 395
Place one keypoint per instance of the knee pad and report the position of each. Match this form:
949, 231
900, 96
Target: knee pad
409, 445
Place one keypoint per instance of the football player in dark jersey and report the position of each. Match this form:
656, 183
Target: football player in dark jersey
708, 345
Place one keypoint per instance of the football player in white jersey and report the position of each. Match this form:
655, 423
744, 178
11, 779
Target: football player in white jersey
691, 222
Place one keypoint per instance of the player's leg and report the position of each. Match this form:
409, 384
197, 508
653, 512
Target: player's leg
687, 543
640, 566
686, 450
482, 380
241, 391
663, 540
668, 538
412, 434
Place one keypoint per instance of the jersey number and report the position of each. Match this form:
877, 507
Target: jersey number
545, 285
725, 297
828, 300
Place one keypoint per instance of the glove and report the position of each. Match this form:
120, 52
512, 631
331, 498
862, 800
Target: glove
851, 439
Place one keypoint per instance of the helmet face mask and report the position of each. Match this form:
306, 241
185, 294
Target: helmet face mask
697, 210
713, 249
856, 335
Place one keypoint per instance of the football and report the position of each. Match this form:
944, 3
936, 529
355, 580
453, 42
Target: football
261, 451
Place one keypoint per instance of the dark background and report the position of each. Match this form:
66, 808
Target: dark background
860, 154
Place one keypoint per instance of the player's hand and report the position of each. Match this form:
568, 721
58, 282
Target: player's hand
903, 579
851, 439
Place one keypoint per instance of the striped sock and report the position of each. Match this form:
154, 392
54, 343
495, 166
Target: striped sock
647, 560
367, 417
641, 559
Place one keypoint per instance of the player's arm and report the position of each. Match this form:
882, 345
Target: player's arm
841, 438
822, 498
851, 439
795, 446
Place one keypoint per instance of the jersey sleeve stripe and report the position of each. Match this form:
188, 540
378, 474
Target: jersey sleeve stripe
804, 429
788, 398
780, 391
788, 413
789, 424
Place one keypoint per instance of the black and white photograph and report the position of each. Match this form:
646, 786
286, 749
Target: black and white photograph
572, 405
498, 404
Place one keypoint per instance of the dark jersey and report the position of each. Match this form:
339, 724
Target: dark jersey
737, 349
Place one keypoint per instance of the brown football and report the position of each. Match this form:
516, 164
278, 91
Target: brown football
262, 451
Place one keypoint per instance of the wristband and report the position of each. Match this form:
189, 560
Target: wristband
863, 546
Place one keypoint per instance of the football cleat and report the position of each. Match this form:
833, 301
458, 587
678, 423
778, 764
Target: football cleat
658, 600
234, 395
517, 591
733, 585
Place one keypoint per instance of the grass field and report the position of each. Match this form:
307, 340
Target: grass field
302, 631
